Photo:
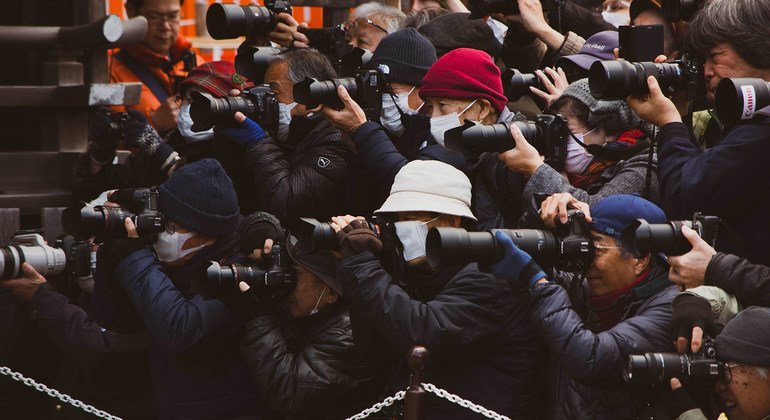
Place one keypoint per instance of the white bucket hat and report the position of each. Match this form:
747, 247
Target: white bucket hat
430, 185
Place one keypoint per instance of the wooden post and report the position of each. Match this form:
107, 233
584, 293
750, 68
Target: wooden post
9, 224
414, 406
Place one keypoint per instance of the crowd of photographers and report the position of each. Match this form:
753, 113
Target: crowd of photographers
562, 201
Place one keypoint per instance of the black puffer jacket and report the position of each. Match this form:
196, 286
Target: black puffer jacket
585, 374
309, 368
303, 177
749, 283
482, 346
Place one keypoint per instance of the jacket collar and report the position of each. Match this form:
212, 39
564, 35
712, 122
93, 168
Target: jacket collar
152, 59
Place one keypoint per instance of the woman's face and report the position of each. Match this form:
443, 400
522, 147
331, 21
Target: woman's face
577, 126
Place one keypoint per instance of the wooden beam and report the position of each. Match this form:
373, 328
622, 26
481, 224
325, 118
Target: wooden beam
71, 96
9, 224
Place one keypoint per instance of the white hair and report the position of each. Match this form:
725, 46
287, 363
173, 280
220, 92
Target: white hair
390, 18
761, 371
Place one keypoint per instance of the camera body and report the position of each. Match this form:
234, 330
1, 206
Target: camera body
659, 368
618, 79
569, 247
641, 238
366, 88
117, 121
271, 281
547, 133
140, 204
258, 103
230, 21
482, 8
67, 256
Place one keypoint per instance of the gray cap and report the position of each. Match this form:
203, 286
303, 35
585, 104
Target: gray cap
745, 339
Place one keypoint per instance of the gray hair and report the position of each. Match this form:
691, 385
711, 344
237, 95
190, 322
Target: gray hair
761, 372
741, 23
418, 18
390, 18
303, 63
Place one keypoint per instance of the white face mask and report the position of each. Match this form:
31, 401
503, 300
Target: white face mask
578, 157
615, 17
284, 120
412, 235
169, 246
185, 122
392, 107
440, 125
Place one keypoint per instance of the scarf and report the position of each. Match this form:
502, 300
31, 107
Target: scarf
596, 168
606, 308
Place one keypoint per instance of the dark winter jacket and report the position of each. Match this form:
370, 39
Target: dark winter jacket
730, 180
586, 364
749, 283
196, 367
482, 346
624, 177
309, 368
303, 177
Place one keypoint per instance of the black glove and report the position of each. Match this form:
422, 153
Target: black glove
357, 238
691, 311
102, 142
255, 229
120, 248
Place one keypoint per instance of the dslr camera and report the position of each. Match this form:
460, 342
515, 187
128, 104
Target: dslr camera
230, 21
516, 84
271, 281
366, 88
641, 238
333, 43
67, 256
547, 133
321, 234
117, 121
482, 8
140, 204
252, 61
569, 247
258, 103
659, 368
618, 79
741, 99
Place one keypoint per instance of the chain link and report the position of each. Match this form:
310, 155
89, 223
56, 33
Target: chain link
463, 403
379, 406
16, 376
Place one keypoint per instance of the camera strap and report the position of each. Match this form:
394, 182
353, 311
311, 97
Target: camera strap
144, 74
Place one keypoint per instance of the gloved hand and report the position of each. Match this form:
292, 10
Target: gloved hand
102, 144
246, 133
690, 311
255, 229
516, 266
139, 133
356, 238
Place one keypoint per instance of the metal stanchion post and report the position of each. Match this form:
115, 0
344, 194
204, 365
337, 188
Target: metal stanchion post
414, 406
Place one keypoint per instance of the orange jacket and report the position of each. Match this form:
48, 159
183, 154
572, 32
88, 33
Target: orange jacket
120, 73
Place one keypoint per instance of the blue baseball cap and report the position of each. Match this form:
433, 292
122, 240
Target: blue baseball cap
614, 213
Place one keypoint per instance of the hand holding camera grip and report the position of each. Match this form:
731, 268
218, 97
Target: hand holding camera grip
247, 133
102, 143
690, 311
516, 266
357, 238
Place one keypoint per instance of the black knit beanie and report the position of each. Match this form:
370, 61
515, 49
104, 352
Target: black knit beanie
404, 57
200, 197
746, 338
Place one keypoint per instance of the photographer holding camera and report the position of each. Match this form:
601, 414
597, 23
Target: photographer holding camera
728, 179
195, 363
592, 321
608, 153
301, 352
482, 346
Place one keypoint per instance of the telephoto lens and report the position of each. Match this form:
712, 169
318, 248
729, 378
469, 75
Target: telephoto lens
660, 368
741, 99
230, 21
516, 85
258, 103
321, 234
618, 79
641, 238
253, 62
32, 249
313, 92
86, 221
482, 8
676, 10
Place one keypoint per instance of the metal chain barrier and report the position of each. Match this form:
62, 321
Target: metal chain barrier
379, 406
16, 376
463, 403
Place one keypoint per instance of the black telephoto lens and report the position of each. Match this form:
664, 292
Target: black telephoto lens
455, 245
516, 84
641, 238
253, 62
740, 99
207, 111
478, 138
655, 368
88, 221
319, 234
230, 21
618, 79
313, 92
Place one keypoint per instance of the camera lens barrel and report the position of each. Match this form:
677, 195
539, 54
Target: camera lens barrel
741, 99
641, 238
453, 245
618, 79
517, 84
230, 21
207, 111
314, 92
45, 259
654, 368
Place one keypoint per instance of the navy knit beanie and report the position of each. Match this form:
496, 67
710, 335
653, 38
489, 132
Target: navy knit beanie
404, 57
746, 338
200, 197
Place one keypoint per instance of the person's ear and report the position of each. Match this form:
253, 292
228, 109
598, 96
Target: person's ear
641, 264
331, 296
485, 109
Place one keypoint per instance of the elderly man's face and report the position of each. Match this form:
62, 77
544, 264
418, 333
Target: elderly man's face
277, 76
722, 61
745, 393
611, 269
365, 33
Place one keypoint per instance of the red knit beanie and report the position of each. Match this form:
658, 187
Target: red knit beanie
465, 73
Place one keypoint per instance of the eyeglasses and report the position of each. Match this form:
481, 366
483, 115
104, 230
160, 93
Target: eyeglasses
170, 226
158, 19
728, 374
604, 249
360, 23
